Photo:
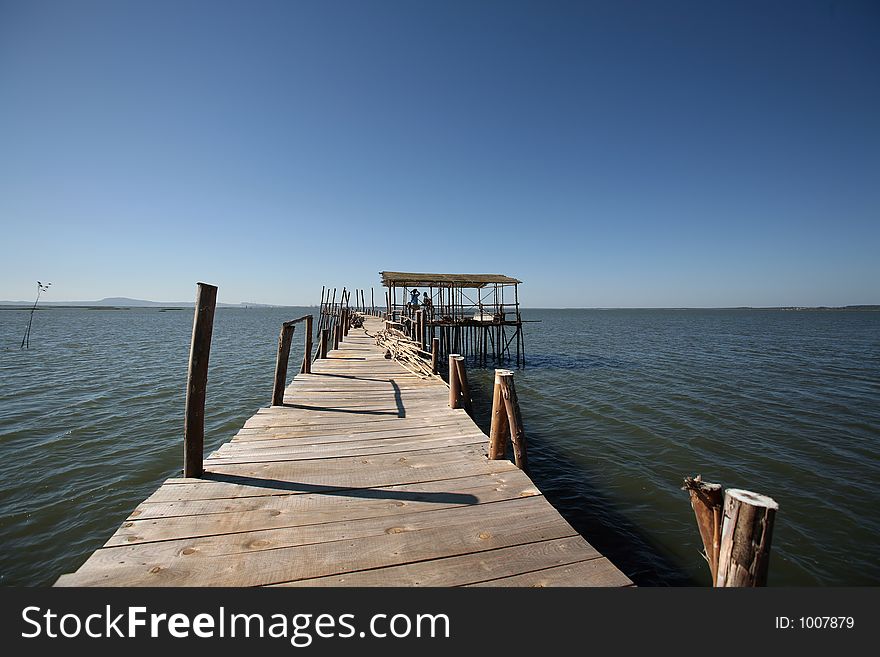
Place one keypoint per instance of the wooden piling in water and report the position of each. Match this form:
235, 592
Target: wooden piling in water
506, 421
746, 532
197, 381
464, 387
435, 355
498, 430
707, 501
736, 527
454, 383
514, 420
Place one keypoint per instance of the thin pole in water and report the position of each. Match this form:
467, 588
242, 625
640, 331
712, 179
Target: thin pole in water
26, 340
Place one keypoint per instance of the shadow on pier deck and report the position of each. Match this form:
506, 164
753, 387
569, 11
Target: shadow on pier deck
364, 476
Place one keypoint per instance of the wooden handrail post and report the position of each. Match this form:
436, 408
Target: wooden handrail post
322, 345
500, 428
746, 531
307, 356
435, 355
465, 389
454, 383
514, 421
197, 381
337, 329
281, 360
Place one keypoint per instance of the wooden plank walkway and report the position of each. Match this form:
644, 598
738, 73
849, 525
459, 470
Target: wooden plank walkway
364, 477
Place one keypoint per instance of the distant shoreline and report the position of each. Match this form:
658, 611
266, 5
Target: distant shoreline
852, 308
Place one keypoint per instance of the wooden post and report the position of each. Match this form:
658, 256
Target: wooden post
284, 340
307, 357
514, 420
454, 383
465, 389
746, 530
499, 429
336, 331
322, 345
197, 381
435, 355
707, 501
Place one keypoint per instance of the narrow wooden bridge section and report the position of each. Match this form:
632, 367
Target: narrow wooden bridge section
364, 477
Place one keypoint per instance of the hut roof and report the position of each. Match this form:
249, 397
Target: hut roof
409, 279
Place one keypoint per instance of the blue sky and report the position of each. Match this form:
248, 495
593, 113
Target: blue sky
609, 154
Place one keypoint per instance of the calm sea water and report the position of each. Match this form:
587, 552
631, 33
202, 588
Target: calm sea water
618, 406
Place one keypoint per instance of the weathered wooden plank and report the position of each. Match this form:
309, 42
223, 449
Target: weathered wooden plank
529, 511
233, 453
316, 417
512, 479
595, 572
377, 423
322, 478
261, 558
313, 508
270, 439
466, 569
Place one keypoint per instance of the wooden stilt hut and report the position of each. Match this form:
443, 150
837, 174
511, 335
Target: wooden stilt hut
475, 315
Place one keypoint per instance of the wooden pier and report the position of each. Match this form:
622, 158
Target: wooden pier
363, 477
